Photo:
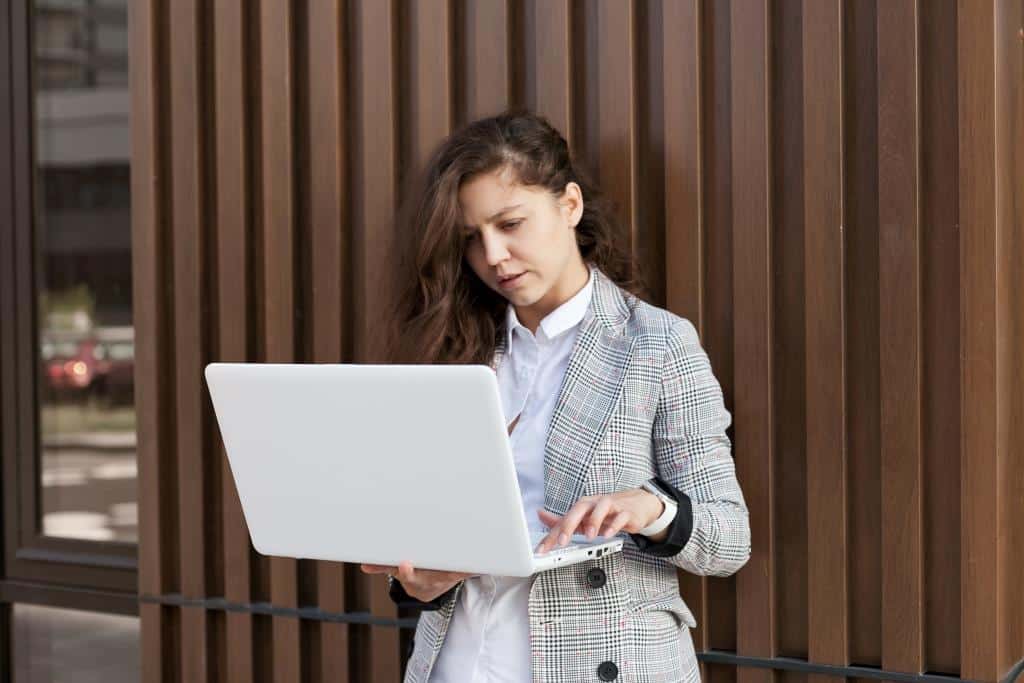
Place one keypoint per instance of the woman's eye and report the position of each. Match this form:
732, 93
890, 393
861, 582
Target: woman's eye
509, 226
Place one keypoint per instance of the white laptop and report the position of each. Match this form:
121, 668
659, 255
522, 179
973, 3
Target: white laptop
378, 464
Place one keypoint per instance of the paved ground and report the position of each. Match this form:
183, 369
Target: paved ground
90, 493
68, 646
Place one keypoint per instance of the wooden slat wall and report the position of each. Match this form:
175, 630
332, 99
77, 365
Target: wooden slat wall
829, 189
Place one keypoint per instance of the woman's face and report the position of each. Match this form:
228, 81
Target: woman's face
514, 230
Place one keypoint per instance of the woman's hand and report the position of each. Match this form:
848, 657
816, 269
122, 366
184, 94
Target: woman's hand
629, 511
422, 584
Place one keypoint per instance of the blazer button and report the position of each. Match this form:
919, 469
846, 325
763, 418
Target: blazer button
596, 578
608, 671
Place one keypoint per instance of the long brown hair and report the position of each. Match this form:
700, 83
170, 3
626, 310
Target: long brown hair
443, 313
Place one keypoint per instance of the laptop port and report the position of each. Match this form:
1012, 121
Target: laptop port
600, 552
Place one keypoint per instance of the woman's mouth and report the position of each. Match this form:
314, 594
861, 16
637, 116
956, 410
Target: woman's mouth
512, 281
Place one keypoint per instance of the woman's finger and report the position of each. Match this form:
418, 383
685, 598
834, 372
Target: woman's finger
572, 520
552, 521
597, 516
617, 523
406, 573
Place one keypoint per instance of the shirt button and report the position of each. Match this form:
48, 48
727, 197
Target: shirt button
596, 577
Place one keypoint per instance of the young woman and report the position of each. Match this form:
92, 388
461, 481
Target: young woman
616, 421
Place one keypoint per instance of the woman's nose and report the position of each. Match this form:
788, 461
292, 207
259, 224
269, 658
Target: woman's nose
495, 249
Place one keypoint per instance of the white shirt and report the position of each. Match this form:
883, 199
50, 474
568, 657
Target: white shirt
488, 638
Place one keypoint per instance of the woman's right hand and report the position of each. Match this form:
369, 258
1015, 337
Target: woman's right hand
422, 584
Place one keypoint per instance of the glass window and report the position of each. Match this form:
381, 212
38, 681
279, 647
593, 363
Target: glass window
83, 263
53, 645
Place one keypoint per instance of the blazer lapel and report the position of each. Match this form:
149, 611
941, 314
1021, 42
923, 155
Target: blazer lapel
589, 393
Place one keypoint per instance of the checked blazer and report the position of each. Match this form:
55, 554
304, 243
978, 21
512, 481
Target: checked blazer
638, 400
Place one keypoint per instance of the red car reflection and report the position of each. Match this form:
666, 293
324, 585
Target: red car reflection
101, 364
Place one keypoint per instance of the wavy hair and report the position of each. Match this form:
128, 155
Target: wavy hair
442, 312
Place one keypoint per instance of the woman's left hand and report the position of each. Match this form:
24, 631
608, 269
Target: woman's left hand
606, 515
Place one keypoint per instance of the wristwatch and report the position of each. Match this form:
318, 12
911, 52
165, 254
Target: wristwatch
667, 515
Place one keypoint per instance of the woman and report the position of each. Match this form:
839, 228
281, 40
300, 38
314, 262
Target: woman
616, 421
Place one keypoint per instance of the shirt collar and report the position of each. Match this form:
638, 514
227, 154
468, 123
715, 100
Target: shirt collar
557, 321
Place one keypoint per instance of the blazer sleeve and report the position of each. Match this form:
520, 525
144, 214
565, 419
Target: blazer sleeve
396, 591
693, 453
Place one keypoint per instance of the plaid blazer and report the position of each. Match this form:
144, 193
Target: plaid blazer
639, 399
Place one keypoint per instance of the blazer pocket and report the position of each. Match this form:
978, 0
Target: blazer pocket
669, 602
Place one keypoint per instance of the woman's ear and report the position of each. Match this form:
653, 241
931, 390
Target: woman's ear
573, 203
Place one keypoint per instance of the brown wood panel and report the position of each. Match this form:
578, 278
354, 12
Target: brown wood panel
429, 83
157, 541
683, 149
278, 270
548, 38
486, 69
719, 611
978, 243
827, 587
156, 554
862, 303
158, 636
900, 335
940, 339
752, 310
188, 191
761, 155
188, 226
327, 182
617, 119
649, 145
683, 104
234, 321
791, 182
1009, 216
373, 200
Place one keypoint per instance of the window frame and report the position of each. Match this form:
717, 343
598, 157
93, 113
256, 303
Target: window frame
33, 564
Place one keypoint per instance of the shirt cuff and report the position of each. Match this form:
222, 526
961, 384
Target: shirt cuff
400, 597
678, 531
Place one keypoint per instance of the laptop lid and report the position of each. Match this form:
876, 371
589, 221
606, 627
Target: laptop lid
374, 463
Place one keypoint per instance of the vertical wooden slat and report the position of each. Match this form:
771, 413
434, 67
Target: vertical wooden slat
157, 545
373, 201
684, 177
549, 43
649, 145
717, 331
327, 192
617, 167
188, 193
1008, 38
828, 594
978, 323
900, 335
863, 300
276, 89
790, 184
430, 85
487, 83
233, 301
752, 306
684, 207
940, 339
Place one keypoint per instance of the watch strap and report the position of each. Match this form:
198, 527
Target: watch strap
667, 515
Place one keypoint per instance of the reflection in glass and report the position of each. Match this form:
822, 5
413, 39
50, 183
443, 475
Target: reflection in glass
52, 645
83, 261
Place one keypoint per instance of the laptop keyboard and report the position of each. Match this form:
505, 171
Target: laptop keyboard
576, 541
